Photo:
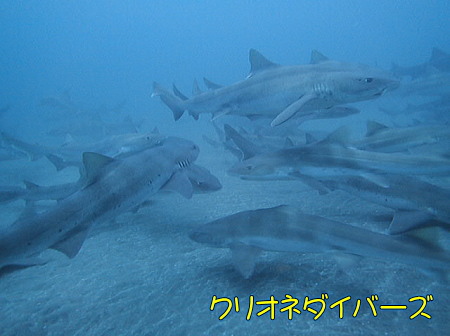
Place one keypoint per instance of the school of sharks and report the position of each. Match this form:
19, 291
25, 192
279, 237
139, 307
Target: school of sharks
403, 168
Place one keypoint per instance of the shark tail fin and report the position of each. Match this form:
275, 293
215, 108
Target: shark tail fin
171, 100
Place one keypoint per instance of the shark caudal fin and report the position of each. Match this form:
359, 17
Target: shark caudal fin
171, 100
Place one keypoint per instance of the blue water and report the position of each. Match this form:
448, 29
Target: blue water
140, 274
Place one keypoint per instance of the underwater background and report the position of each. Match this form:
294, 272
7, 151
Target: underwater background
86, 68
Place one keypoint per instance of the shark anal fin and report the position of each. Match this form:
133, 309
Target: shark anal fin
180, 183
292, 109
244, 258
72, 243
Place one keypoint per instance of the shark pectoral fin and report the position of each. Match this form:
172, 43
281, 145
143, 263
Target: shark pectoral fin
180, 183
26, 262
220, 113
377, 179
404, 221
93, 163
292, 109
72, 243
244, 258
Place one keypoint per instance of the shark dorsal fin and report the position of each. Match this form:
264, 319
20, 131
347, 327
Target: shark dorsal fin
339, 136
28, 212
68, 139
211, 85
258, 62
195, 88
93, 163
30, 185
437, 55
288, 143
374, 127
309, 138
318, 57
178, 93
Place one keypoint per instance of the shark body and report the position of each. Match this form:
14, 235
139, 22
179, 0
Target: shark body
70, 153
325, 158
415, 202
112, 186
382, 138
286, 229
280, 92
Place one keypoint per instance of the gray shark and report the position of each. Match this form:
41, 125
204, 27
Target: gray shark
69, 154
287, 229
381, 138
439, 60
112, 186
415, 202
282, 92
201, 179
328, 157
33, 192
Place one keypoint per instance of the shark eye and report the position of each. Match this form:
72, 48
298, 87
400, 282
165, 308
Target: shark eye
249, 167
368, 80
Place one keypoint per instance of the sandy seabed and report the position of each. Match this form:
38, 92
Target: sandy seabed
141, 275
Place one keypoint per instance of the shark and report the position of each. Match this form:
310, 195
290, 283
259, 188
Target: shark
380, 137
282, 92
201, 179
439, 61
113, 186
69, 154
416, 203
287, 229
332, 157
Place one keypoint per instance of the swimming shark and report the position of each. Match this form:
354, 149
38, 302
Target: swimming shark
416, 203
439, 60
69, 154
201, 179
282, 92
286, 229
380, 137
329, 157
113, 186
